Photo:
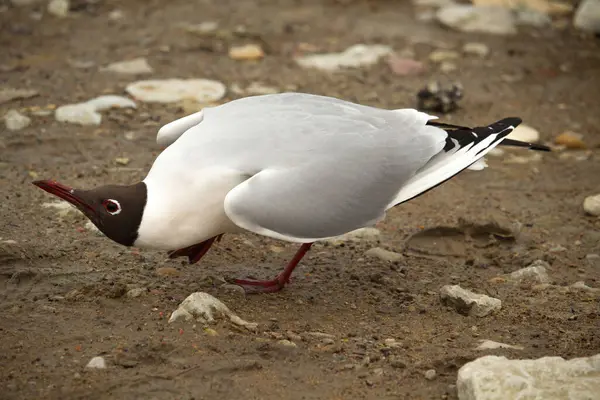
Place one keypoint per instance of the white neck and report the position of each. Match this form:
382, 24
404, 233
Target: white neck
181, 212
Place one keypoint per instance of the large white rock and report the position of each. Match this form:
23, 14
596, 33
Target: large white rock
467, 302
547, 378
355, 56
587, 16
175, 90
467, 18
87, 113
203, 308
535, 273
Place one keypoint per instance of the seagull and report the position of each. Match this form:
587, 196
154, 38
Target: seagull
295, 167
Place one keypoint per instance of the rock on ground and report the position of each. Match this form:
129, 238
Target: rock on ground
175, 90
15, 121
384, 254
202, 307
469, 303
467, 18
87, 113
96, 363
587, 16
491, 345
355, 56
548, 378
524, 133
535, 273
591, 205
137, 66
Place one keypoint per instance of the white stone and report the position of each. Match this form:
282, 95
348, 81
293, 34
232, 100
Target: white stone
548, 378
467, 18
10, 94
467, 302
58, 8
366, 234
476, 49
430, 374
591, 205
535, 273
15, 121
87, 113
175, 90
202, 307
137, 66
102, 103
96, 363
81, 113
355, 56
384, 254
524, 133
587, 16
491, 345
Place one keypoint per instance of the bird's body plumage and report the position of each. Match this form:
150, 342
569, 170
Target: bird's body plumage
291, 166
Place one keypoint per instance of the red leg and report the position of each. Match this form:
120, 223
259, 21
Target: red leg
276, 284
195, 252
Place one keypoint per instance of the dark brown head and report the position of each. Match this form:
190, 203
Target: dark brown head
116, 210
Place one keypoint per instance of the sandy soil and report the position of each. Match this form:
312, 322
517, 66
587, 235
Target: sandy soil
62, 287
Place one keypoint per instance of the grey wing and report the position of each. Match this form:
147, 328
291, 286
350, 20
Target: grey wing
321, 199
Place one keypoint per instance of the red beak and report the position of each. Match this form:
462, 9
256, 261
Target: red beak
66, 193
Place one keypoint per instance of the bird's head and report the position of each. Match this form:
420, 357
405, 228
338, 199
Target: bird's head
116, 210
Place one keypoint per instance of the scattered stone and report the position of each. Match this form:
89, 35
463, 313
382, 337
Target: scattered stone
468, 18
174, 90
81, 64
593, 258
535, 273
447, 67
202, 28
135, 292
15, 121
469, 303
122, 160
247, 52
439, 56
384, 255
359, 55
435, 98
293, 336
548, 378
591, 205
96, 363
116, 15
476, 49
320, 335
87, 113
491, 345
202, 306
397, 362
254, 88
570, 140
430, 374
536, 19
587, 16
405, 66
366, 234
211, 332
525, 133
167, 271
582, 286
137, 66
10, 94
286, 343
59, 8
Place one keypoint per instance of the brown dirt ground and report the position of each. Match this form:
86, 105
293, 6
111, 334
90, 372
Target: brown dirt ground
62, 287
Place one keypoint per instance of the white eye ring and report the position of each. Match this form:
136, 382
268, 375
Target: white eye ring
112, 201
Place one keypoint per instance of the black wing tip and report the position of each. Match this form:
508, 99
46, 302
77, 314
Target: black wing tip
505, 123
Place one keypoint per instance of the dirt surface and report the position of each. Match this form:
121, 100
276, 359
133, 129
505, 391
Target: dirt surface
63, 288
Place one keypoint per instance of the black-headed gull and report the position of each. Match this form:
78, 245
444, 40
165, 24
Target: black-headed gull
292, 166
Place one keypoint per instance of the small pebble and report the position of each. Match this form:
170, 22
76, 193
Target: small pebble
286, 343
59, 8
384, 255
405, 66
167, 271
15, 121
246, 52
571, 140
591, 205
211, 332
447, 67
525, 133
439, 56
137, 66
476, 49
135, 292
96, 363
430, 374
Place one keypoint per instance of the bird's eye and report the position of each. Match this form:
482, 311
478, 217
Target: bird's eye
112, 206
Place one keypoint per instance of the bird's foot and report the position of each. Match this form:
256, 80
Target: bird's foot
256, 286
196, 251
